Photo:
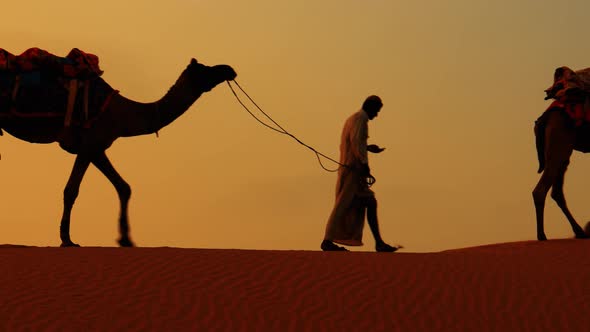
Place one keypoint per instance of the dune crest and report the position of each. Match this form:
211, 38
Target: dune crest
505, 287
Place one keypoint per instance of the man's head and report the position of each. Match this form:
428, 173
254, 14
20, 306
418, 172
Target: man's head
372, 106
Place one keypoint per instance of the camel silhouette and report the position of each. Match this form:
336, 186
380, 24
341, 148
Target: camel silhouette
557, 137
118, 117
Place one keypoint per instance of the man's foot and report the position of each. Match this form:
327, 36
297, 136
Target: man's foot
330, 246
384, 247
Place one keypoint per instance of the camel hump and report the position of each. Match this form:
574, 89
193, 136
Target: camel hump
77, 64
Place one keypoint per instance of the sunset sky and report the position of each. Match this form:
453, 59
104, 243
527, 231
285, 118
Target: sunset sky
462, 82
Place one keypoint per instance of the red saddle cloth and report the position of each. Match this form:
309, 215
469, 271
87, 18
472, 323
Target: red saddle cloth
77, 64
571, 91
576, 111
38, 84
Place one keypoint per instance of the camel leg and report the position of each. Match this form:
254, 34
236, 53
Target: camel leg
559, 197
102, 162
539, 195
70, 194
558, 148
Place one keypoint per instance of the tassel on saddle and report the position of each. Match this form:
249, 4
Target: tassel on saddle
68, 139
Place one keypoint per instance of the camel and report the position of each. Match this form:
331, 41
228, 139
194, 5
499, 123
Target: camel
556, 138
119, 117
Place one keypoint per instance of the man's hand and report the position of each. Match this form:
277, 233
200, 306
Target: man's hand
365, 171
374, 148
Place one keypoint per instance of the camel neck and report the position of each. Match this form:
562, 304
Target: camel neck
177, 101
148, 118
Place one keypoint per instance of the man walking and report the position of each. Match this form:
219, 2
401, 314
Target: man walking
353, 194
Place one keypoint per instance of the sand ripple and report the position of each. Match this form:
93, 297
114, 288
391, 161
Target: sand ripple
525, 286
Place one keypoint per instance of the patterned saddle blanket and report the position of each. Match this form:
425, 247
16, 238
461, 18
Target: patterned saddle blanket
77, 64
571, 91
37, 83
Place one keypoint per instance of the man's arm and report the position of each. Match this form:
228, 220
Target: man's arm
361, 148
360, 142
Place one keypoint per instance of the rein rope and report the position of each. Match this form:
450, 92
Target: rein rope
280, 129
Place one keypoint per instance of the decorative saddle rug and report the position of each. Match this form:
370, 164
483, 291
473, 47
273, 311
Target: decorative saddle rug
571, 91
38, 84
77, 64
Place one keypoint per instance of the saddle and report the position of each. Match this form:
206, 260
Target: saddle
77, 64
571, 91
37, 83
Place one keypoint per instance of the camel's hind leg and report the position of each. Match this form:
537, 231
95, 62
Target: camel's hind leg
552, 176
70, 194
559, 197
102, 162
558, 147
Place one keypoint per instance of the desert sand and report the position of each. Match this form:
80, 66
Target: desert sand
522, 286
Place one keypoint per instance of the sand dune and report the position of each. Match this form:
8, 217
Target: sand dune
524, 286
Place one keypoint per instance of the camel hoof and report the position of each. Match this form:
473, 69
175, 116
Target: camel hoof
125, 243
582, 236
69, 244
542, 237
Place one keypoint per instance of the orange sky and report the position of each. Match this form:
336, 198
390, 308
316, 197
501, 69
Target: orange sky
462, 83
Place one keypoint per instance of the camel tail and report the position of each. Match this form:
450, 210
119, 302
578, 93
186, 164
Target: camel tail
540, 142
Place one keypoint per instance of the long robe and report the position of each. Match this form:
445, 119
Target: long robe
346, 222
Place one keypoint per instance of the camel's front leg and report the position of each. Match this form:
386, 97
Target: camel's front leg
70, 194
102, 162
539, 196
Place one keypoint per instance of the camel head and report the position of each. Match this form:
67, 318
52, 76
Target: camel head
206, 78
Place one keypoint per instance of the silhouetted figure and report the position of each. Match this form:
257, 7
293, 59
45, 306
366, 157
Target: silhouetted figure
557, 135
353, 195
118, 117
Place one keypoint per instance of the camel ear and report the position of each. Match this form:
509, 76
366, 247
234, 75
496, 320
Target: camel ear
194, 61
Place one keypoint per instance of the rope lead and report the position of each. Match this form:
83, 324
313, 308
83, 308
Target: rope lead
281, 130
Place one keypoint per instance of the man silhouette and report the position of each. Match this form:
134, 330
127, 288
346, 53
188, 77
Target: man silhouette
353, 195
